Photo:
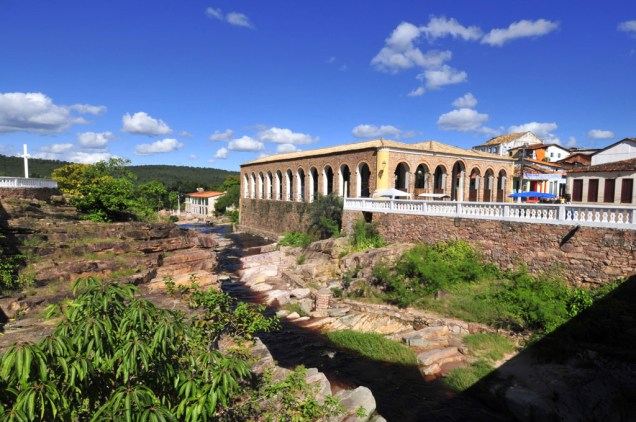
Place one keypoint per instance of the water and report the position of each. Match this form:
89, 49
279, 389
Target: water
400, 392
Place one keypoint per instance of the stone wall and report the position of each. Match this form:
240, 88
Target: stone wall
42, 194
271, 218
586, 255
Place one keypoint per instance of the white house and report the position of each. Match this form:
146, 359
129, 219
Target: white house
619, 151
501, 145
200, 204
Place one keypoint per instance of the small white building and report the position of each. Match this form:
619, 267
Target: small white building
200, 204
501, 145
619, 151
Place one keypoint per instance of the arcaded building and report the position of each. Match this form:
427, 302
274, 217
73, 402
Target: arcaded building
275, 189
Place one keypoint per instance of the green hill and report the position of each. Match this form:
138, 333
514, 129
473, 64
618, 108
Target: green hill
176, 178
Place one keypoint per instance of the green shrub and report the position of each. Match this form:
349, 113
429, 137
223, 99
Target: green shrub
325, 214
365, 236
296, 239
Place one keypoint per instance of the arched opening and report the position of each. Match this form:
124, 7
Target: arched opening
345, 181
279, 185
301, 185
473, 185
402, 177
246, 186
313, 184
253, 186
364, 176
488, 185
261, 186
327, 175
268, 185
289, 186
439, 180
502, 184
422, 176
457, 188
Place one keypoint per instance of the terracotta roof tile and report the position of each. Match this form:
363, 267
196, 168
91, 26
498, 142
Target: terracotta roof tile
625, 165
432, 146
505, 138
204, 194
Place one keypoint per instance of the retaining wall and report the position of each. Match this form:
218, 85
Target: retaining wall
585, 255
272, 218
42, 194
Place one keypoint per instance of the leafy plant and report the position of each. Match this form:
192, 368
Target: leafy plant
325, 214
296, 239
365, 236
300, 260
115, 356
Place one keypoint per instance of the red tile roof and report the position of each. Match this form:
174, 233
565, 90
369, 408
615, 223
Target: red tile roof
625, 165
205, 194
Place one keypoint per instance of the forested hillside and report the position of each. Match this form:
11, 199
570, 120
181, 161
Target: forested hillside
176, 178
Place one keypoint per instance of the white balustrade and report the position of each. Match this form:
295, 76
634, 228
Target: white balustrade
23, 182
623, 217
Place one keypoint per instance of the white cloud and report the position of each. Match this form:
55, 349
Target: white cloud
628, 26
467, 101
222, 136
441, 27
233, 18
193, 157
463, 120
373, 131
35, 112
600, 134
541, 130
88, 109
419, 91
56, 148
285, 148
141, 123
571, 142
245, 143
214, 13
445, 75
165, 145
285, 136
89, 157
221, 153
521, 29
94, 139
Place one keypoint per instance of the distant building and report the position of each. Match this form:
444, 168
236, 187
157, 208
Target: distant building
501, 145
610, 177
200, 204
618, 151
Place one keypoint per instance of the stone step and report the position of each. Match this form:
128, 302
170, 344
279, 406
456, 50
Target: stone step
421, 342
429, 357
428, 333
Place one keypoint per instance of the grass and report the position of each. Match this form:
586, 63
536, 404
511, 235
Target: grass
294, 307
489, 346
461, 379
296, 239
301, 259
373, 346
124, 273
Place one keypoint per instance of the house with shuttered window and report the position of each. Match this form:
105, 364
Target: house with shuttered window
610, 179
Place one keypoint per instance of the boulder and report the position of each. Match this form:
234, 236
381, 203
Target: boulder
317, 378
277, 298
300, 293
352, 400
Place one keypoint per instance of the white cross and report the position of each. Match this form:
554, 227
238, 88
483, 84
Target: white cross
26, 162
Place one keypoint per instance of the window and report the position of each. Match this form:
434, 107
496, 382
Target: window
577, 190
610, 188
627, 191
551, 155
592, 190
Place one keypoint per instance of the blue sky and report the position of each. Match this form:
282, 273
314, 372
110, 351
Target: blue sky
217, 83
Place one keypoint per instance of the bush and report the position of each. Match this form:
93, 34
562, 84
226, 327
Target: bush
296, 239
365, 236
326, 216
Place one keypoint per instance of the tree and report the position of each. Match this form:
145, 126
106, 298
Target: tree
152, 195
115, 356
326, 215
232, 188
70, 177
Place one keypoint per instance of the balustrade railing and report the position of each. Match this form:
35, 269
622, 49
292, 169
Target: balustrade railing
23, 182
612, 216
